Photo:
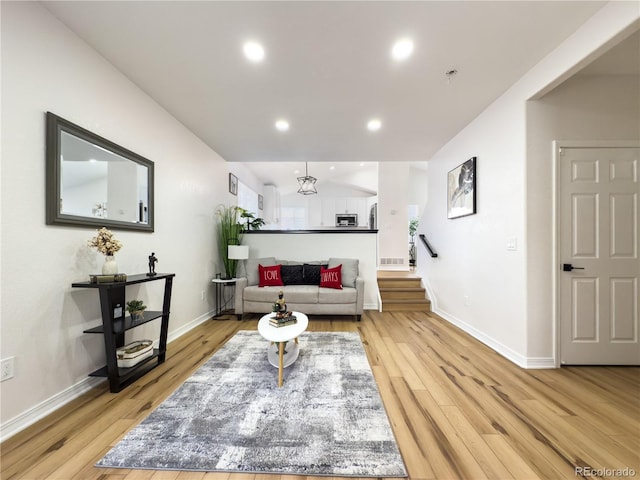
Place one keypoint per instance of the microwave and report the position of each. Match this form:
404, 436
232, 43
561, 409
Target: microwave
347, 220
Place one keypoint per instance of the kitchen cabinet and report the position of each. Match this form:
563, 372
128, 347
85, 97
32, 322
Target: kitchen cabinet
271, 204
314, 211
328, 212
323, 211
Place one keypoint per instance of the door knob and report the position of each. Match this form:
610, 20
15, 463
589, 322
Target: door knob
567, 267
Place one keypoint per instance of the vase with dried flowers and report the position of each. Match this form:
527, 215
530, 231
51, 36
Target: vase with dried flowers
106, 243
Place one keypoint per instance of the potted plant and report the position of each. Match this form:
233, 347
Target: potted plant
252, 222
136, 309
413, 229
233, 221
230, 232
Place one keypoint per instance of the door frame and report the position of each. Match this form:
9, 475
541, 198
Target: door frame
557, 146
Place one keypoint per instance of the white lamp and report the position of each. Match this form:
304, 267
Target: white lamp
238, 252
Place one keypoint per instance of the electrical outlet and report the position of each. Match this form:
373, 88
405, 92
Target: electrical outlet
202, 295
465, 298
6, 369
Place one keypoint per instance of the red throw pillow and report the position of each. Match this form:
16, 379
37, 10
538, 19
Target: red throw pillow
331, 277
270, 276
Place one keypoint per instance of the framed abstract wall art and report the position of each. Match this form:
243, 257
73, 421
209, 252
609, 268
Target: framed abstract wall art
233, 184
461, 190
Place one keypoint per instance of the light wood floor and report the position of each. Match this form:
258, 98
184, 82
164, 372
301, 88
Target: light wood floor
458, 409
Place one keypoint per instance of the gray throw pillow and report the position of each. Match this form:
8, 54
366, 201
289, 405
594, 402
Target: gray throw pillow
251, 268
349, 270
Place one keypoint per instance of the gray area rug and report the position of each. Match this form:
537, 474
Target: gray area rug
230, 415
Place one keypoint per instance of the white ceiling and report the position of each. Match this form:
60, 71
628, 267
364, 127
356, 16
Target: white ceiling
327, 68
334, 178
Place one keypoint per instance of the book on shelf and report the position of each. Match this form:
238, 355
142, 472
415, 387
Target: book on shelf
99, 278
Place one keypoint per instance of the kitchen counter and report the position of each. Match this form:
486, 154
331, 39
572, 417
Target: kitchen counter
319, 230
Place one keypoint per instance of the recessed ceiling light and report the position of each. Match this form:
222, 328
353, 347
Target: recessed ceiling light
332, 167
374, 125
402, 49
253, 51
362, 164
282, 125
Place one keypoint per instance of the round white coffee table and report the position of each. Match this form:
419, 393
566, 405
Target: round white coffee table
283, 339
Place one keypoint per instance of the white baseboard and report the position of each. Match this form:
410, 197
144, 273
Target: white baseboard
189, 326
540, 363
511, 355
50, 405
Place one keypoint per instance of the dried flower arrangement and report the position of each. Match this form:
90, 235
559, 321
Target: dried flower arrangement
105, 242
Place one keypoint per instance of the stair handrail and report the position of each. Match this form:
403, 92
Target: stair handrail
428, 246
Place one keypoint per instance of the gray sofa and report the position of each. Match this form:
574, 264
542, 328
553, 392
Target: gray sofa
301, 291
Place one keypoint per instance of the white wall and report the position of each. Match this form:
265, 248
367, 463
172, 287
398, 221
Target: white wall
393, 221
45, 67
246, 176
582, 108
476, 282
418, 187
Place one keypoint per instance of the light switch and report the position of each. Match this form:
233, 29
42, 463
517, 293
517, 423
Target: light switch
512, 244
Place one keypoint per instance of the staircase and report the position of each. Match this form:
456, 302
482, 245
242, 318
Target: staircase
402, 292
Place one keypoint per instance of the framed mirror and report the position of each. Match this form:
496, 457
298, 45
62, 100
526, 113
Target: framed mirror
93, 182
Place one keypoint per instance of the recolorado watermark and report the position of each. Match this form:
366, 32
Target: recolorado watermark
588, 472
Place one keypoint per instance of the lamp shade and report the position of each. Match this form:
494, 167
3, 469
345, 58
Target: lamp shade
238, 252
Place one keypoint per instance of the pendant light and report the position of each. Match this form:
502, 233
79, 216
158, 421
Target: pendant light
307, 183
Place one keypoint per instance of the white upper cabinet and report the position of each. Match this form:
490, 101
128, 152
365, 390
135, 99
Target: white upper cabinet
271, 212
323, 211
314, 212
328, 212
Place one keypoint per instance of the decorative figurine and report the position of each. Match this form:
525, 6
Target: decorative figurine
280, 307
152, 265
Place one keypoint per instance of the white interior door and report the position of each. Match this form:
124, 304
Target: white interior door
598, 250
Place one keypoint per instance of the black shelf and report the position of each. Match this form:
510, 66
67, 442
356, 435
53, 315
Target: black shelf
131, 280
129, 323
124, 373
115, 324
126, 376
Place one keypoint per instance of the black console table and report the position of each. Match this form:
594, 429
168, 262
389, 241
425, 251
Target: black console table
115, 323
